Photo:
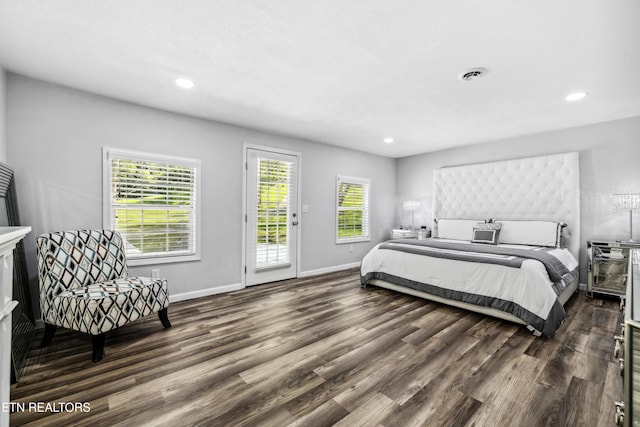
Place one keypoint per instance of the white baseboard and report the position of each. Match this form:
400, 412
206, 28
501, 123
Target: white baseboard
328, 269
205, 292
237, 286
185, 296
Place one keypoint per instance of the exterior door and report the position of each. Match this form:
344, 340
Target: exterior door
271, 216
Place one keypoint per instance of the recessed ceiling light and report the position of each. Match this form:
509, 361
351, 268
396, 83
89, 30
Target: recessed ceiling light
184, 83
576, 96
388, 140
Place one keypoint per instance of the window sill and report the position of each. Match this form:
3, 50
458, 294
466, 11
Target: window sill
352, 240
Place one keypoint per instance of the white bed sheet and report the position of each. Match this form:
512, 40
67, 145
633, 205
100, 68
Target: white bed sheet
528, 286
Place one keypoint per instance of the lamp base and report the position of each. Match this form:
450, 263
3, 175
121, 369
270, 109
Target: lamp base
630, 228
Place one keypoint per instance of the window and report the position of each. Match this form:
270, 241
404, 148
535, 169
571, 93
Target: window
352, 213
153, 201
273, 209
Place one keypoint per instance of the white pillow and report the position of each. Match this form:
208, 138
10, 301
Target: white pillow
535, 233
458, 229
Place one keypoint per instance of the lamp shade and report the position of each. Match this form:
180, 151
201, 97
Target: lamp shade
411, 205
626, 201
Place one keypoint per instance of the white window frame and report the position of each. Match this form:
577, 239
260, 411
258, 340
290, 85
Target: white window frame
366, 209
110, 153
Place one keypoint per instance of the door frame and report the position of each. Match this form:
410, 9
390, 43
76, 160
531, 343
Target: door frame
245, 166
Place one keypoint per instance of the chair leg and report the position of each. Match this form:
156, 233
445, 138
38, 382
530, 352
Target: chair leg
98, 347
49, 331
164, 317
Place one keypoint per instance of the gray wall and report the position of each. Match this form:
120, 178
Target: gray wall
609, 162
3, 121
55, 137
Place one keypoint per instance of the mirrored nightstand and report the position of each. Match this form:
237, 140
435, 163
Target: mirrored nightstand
607, 265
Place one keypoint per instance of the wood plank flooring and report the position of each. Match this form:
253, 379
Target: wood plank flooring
322, 351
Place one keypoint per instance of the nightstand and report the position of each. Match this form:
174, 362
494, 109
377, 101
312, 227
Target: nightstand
607, 265
400, 233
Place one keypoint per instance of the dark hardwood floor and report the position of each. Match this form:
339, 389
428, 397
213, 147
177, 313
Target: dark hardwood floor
322, 351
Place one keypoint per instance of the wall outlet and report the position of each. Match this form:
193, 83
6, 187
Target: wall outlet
155, 273
350, 248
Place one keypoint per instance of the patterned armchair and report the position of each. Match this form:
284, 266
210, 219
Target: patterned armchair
84, 286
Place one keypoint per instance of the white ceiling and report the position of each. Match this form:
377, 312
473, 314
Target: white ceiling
343, 72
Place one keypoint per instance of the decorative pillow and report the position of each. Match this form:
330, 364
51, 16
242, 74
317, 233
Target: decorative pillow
485, 232
457, 229
535, 233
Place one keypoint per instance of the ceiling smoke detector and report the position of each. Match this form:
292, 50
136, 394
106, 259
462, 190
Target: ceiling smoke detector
473, 74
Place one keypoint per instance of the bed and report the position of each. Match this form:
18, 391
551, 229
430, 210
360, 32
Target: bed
506, 242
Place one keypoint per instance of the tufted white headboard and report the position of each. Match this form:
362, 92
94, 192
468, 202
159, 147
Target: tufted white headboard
545, 188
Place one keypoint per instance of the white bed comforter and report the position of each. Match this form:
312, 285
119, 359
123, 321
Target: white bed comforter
528, 286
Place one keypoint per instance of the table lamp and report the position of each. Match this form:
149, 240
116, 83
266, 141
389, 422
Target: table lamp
412, 205
627, 202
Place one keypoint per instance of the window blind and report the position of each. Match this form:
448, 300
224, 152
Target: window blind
153, 204
352, 209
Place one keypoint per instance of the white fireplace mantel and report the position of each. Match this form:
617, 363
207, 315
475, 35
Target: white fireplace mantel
9, 238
